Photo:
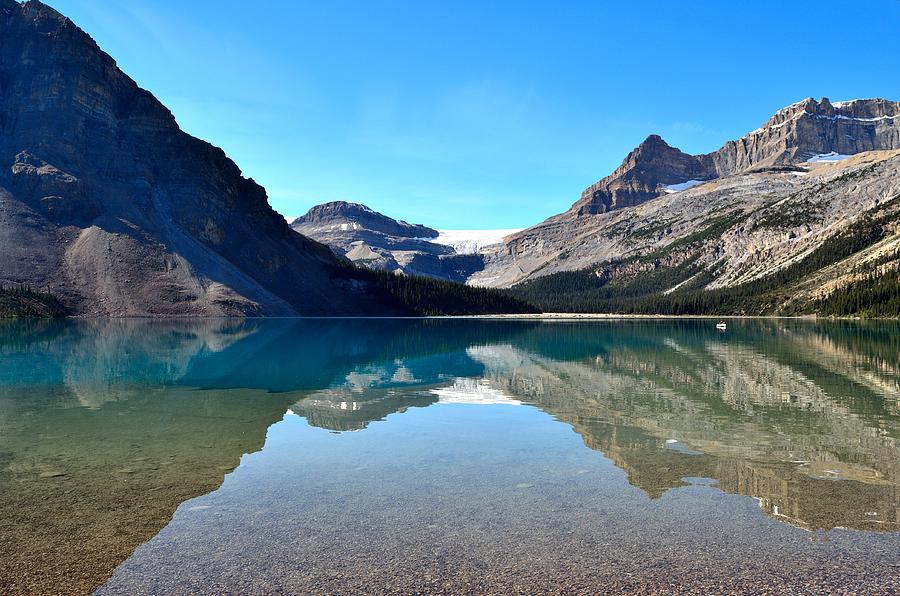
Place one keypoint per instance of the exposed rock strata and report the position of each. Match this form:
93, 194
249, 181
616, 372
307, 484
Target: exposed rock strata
794, 134
782, 208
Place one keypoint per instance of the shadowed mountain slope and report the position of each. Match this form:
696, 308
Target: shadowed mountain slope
107, 204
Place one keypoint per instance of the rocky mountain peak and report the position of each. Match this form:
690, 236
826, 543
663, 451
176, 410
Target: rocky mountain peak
641, 176
792, 135
671, 164
651, 143
33, 8
355, 216
376, 241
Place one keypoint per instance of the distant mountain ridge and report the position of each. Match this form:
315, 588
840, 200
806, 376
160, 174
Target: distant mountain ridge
347, 215
788, 218
376, 241
793, 135
800, 215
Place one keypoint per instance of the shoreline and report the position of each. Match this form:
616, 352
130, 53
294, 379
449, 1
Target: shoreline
503, 316
614, 317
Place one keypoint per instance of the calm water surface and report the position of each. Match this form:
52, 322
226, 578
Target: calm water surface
297, 456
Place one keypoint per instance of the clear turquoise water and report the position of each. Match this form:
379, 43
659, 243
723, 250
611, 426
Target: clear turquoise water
457, 455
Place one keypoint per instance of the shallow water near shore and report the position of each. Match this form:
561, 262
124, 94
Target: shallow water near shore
258, 456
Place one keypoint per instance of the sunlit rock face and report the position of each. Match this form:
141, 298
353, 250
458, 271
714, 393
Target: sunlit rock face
794, 135
343, 216
649, 166
809, 128
785, 188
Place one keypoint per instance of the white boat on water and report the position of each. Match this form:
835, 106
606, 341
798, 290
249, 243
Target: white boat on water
721, 326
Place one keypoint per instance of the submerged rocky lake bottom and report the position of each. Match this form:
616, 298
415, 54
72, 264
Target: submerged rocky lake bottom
448, 456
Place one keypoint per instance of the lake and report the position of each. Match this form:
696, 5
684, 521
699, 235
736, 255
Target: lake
297, 456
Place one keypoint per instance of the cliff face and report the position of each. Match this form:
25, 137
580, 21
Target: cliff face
106, 203
808, 128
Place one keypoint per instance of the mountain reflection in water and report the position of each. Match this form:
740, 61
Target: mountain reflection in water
107, 426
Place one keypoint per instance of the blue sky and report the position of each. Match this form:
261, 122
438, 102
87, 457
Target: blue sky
481, 114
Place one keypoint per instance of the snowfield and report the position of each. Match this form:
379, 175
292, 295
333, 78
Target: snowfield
467, 242
673, 188
827, 157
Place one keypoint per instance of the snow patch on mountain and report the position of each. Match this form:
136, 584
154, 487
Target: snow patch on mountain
467, 242
673, 188
827, 157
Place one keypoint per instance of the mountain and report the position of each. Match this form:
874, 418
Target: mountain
353, 216
778, 221
793, 135
652, 164
809, 128
108, 206
751, 243
377, 241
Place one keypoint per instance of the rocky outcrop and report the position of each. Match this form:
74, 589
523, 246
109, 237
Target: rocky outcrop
374, 240
808, 128
107, 204
651, 165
